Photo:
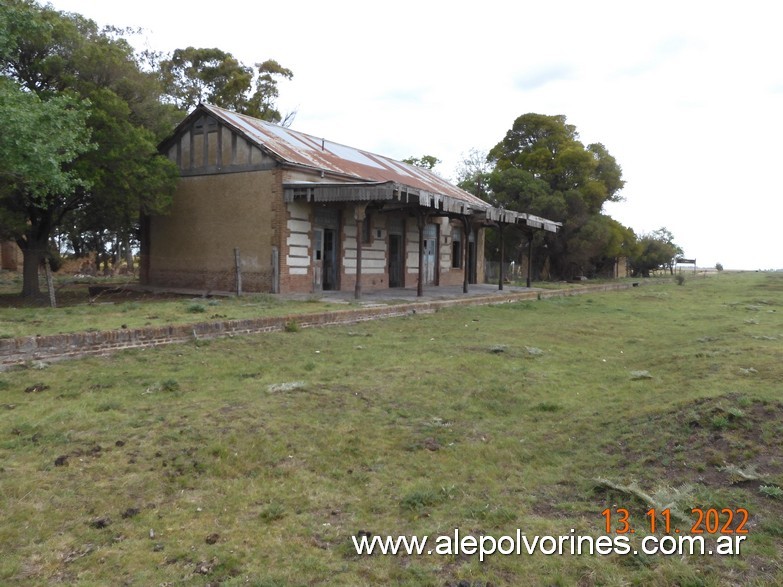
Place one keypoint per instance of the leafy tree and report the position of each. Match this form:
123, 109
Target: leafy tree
425, 161
195, 75
655, 250
51, 54
128, 177
40, 139
262, 102
542, 168
599, 243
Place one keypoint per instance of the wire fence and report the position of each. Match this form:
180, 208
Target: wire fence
511, 272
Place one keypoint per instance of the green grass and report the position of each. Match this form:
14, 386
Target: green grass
77, 312
253, 460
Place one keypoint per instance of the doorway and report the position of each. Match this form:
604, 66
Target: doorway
330, 259
396, 261
430, 247
326, 244
472, 259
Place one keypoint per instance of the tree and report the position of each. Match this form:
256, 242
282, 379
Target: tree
40, 140
473, 174
655, 250
195, 75
541, 167
425, 161
128, 176
50, 54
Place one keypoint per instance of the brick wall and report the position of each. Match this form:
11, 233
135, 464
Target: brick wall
211, 216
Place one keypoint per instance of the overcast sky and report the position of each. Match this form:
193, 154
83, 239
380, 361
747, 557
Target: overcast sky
686, 95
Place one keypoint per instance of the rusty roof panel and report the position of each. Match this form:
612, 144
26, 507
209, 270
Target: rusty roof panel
297, 148
356, 174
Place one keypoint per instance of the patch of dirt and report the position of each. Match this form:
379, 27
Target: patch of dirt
726, 448
74, 294
698, 441
212, 538
130, 513
100, 523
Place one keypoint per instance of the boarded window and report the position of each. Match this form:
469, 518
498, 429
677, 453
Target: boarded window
367, 229
456, 248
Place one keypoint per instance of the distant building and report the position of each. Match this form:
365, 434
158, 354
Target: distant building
296, 213
11, 258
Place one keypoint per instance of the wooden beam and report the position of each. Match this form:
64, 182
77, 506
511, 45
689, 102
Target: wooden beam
502, 256
465, 257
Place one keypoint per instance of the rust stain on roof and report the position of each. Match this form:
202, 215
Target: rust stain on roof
300, 149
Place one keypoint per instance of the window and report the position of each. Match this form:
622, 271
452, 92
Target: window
367, 229
456, 247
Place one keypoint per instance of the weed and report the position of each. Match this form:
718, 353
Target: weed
108, 406
195, 308
420, 499
772, 527
739, 474
719, 422
772, 491
291, 326
735, 413
547, 407
218, 451
679, 279
675, 499
227, 565
251, 375
169, 385
272, 512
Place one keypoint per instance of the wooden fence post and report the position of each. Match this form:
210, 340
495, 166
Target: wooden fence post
238, 268
50, 283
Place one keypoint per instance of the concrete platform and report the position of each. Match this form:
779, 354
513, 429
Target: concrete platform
397, 295
408, 295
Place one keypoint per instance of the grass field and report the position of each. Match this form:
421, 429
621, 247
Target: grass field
255, 460
124, 308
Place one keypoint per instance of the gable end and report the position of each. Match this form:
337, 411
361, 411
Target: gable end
205, 146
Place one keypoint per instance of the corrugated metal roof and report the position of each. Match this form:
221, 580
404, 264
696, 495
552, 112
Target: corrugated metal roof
300, 149
384, 176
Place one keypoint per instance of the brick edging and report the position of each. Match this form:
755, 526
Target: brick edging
53, 347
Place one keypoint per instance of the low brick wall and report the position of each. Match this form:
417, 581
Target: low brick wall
14, 351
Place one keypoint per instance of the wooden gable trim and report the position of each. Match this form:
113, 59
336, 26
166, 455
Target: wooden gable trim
204, 145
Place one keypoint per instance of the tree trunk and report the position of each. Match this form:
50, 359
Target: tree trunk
35, 247
33, 255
